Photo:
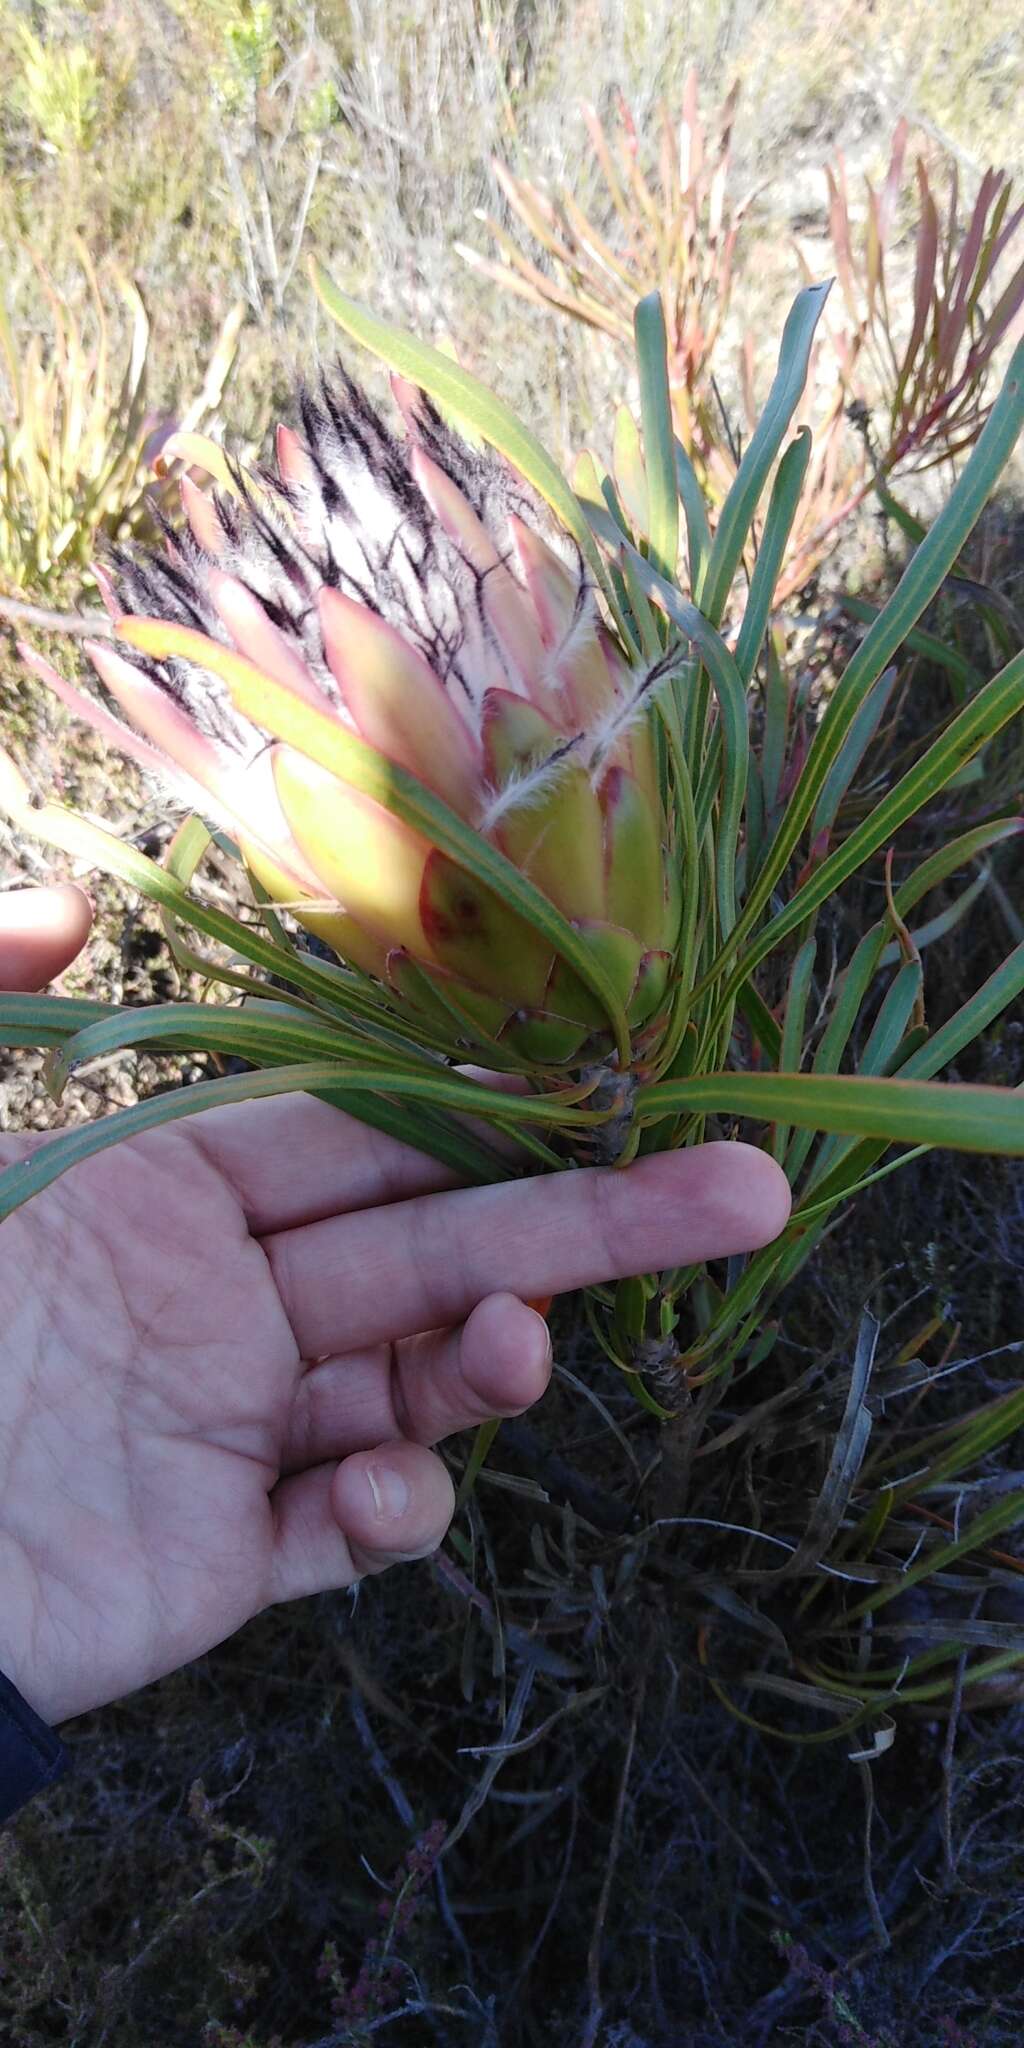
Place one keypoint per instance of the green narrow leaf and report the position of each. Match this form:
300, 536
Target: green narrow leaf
986, 714
346, 1086
962, 1118
695, 513
644, 618
776, 727
47, 1020
477, 1459
995, 995
953, 855
687, 854
738, 512
944, 921
759, 1017
440, 1137
848, 1452
975, 1016
941, 1689
1003, 1514
735, 742
279, 1036
852, 752
910, 527
882, 1045
656, 420
921, 579
791, 1046
786, 489
269, 1031
962, 673
893, 1019
974, 1437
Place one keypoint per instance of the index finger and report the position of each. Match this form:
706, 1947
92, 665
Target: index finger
372, 1276
41, 931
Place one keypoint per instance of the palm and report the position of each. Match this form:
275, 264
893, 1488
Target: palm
164, 1382
228, 1345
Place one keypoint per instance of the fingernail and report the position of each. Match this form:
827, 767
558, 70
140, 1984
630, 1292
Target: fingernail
542, 1320
389, 1490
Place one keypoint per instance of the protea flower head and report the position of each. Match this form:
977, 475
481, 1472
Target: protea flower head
410, 591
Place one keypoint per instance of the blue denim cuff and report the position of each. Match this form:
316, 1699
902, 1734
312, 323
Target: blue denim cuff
31, 1755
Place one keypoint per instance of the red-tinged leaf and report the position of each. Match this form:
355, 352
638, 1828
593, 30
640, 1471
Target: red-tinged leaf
343, 934
178, 741
368, 862
1007, 229
555, 594
818, 849
1003, 314
294, 462
583, 686
954, 319
535, 211
507, 607
397, 703
924, 285
324, 739
604, 157
472, 934
593, 246
894, 178
256, 636
202, 516
951, 241
839, 230
873, 253
649, 989
984, 266
110, 729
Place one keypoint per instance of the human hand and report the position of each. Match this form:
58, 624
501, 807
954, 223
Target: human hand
227, 1345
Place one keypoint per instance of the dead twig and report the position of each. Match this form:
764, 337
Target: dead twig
82, 625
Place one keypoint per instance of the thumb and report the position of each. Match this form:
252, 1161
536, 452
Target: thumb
333, 1524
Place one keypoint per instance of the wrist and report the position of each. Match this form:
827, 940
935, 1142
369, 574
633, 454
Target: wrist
32, 1756
45, 1710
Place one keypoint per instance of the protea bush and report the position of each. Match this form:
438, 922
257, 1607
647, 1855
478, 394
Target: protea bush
483, 738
